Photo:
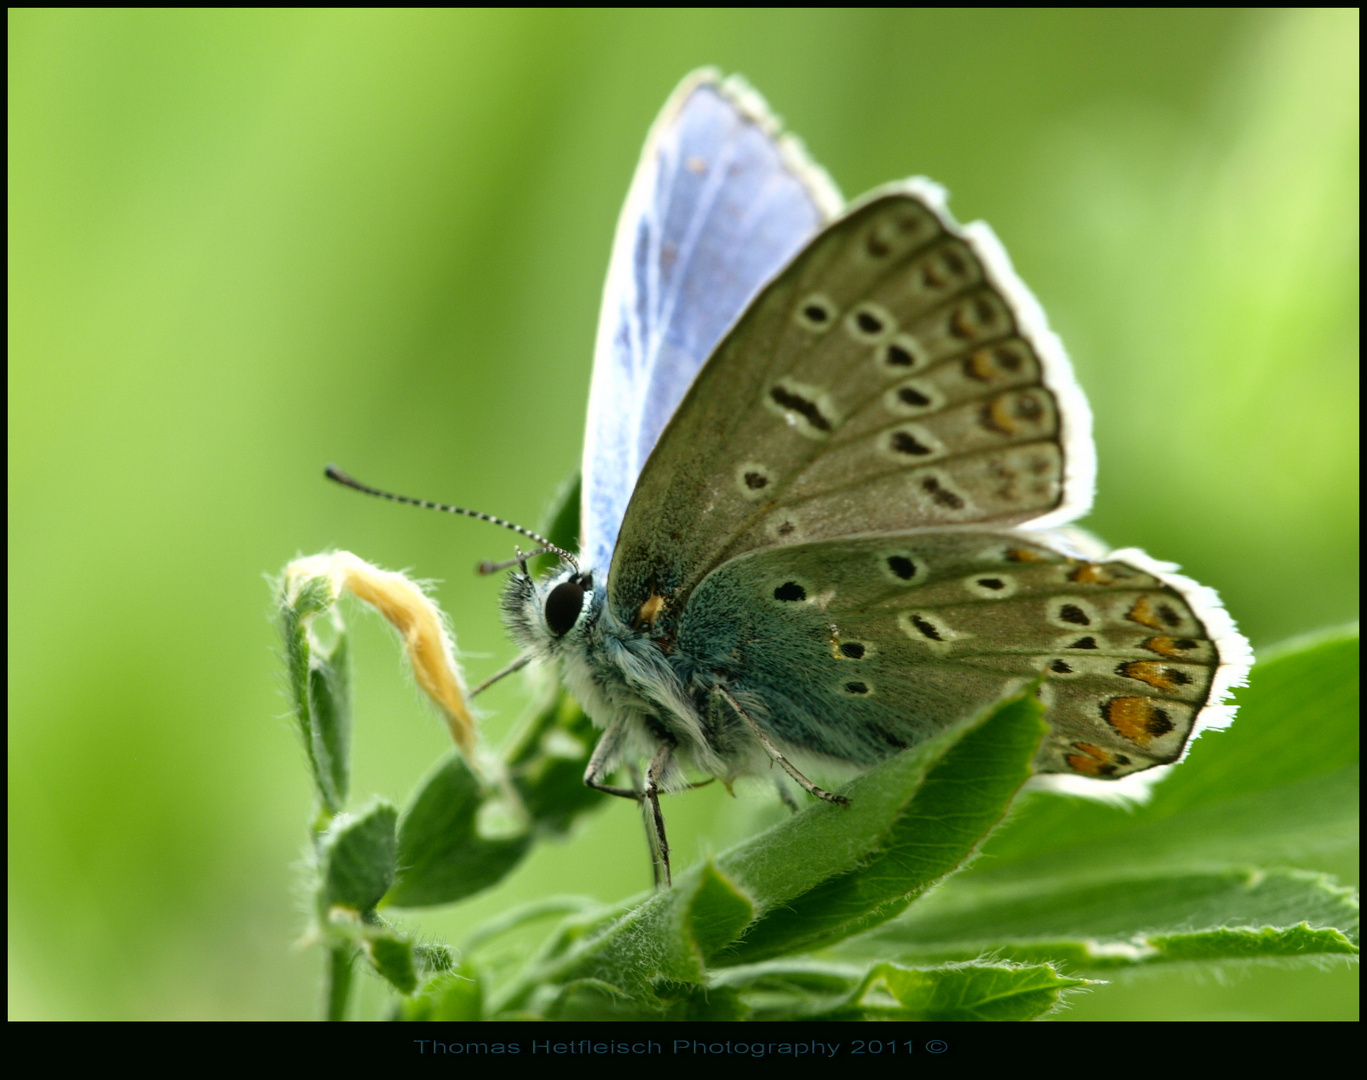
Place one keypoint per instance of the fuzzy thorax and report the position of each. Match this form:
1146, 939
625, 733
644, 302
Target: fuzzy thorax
621, 678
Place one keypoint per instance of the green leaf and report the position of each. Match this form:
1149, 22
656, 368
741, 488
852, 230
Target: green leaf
717, 912
940, 821
356, 857
1127, 920
691, 1001
1101, 886
594, 999
1280, 785
632, 966
820, 990
975, 991
546, 759
1300, 941
330, 701
795, 989
441, 855
911, 821
446, 851
450, 995
320, 688
391, 955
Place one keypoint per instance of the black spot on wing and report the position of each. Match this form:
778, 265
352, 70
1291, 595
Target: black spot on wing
1073, 614
941, 494
906, 443
869, 323
1159, 723
800, 405
817, 313
898, 356
927, 628
903, 567
1028, 408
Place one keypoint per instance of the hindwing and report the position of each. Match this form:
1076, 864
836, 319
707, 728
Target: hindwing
854, 648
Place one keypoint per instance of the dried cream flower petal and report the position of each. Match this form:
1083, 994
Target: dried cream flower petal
425, 635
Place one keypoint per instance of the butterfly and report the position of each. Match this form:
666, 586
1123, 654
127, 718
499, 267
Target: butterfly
830, 451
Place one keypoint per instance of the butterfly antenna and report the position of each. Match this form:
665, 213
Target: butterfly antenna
335, 474
488, 566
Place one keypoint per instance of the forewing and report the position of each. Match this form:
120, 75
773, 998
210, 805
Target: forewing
859, 647
896, 375
721, 201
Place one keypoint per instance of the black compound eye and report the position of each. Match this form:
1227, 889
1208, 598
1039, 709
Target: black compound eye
563, 606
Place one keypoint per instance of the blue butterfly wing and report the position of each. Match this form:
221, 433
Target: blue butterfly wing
720, 203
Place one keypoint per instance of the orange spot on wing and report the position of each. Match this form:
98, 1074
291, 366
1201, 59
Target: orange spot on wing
997, 416
1138, 719
1025, 555
960, 325
1155, 674
1090, 573
1173, 648
1144, 614
1093, 761
980, 366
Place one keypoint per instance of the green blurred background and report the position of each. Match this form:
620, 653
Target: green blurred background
244, 244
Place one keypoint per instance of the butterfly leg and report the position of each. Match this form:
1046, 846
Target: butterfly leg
655, 826
652, 842
774, 752
604, 761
